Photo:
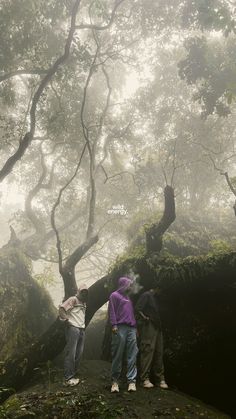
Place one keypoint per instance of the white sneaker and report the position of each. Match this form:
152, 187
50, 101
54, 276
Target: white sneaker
72, 382
114, 388
163, 384
147, 384
132, 387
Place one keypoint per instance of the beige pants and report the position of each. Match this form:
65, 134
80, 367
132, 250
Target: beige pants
151, 351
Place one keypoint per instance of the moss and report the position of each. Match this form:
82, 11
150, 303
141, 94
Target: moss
92, 400
219, 246
126, 262
12, 404
188, 235
169, 270
27, 309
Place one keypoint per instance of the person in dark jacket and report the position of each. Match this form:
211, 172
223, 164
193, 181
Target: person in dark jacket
151, 339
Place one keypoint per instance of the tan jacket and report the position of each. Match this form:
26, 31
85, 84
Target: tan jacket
73, 310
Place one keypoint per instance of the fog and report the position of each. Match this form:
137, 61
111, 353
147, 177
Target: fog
118, 139
151, 98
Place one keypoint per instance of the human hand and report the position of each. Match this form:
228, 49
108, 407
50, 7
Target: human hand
143, 316
62, 319
114, 329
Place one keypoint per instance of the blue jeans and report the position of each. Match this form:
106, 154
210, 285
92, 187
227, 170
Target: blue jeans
73, 350
125, 338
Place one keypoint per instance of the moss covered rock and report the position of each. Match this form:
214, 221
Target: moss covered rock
92, 399
198, 312
26, 307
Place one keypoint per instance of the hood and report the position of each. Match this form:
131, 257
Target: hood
124, 283
82, 287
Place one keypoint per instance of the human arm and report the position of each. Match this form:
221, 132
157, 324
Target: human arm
65, 307
143, 315
62, 314
141, 306
112, 312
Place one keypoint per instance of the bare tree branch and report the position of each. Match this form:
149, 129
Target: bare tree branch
90, 151
155, 232
38, 224
116, 174
75, 257
68, 269
25, 72
105, 151
164, 174
206, 148
102, 28
26, 115
30, 213
225, 174
57, 203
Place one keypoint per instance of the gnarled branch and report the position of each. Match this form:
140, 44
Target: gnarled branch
155, 232
101, 28
27, 139
25, 72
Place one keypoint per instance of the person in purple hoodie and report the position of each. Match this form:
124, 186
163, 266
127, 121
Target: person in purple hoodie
121, 316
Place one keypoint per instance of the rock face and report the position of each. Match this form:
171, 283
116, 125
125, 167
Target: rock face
199, 321
198, 314
94, 337
48, 398
26, 307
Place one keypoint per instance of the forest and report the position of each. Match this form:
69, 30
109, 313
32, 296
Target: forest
118, 158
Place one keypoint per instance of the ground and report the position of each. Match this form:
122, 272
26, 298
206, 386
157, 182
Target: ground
47, 397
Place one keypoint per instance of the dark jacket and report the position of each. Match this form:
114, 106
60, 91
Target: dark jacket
148, 305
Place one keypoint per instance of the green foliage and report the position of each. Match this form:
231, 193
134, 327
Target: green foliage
233, 181
210, 62
46, 372
208, 15
137, 227
126, 263
61, 404
46, 277
190, 234
13, 404
220, 246
139, 130
169, 271
211, 67
28, 34
26, 306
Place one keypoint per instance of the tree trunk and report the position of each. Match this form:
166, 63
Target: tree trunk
15, 373
198, 313
155, 232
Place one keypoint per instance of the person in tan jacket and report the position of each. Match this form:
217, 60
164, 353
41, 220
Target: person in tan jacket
72, 312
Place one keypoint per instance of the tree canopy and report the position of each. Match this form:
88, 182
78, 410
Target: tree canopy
103, 104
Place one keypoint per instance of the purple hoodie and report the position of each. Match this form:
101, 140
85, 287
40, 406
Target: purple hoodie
120, 306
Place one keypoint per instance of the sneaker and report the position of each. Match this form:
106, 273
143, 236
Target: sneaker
114, 388
147, 384
132, 387
163, 384
72, 382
